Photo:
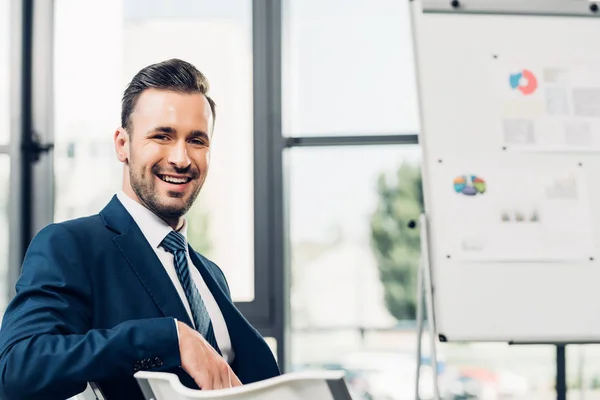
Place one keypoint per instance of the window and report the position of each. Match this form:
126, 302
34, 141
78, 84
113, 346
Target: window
498, 370
333, 194
272, 343
583, 371
94, 60
5, 25
4, 239
340, 198
333, 201
5, 129
348, 68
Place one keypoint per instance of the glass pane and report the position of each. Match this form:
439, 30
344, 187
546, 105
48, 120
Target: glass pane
272, 343
4, 242
498, 371
122, 37
349, 209
5, 26
348, 68
583, 372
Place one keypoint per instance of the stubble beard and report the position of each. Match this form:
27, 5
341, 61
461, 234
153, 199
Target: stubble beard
145, 189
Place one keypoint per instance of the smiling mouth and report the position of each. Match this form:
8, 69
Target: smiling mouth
174, 180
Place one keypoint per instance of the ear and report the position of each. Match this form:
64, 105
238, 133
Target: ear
121, 140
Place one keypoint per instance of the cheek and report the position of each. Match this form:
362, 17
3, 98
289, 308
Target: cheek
201, 159
204, 167
145, 158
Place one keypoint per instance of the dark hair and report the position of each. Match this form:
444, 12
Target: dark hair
174, 75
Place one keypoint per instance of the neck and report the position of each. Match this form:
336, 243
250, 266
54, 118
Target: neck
175, 223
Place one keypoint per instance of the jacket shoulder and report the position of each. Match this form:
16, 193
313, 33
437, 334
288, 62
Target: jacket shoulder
83, 224
80, 231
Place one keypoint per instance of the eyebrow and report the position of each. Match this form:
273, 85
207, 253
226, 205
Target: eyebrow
168, 129
163, 129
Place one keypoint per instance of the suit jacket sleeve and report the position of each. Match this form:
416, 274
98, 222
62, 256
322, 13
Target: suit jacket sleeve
47, 349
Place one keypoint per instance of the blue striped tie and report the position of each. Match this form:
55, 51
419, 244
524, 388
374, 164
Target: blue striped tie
175, 244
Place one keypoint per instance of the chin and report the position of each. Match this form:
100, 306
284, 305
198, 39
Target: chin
173, 207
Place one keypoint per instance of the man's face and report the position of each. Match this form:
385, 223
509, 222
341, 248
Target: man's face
168, 152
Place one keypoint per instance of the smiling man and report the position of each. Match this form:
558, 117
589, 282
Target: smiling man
104, 296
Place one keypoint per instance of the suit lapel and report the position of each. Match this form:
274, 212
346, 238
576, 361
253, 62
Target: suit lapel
225, 304
253, 359
151, 273
239, 330
143, 261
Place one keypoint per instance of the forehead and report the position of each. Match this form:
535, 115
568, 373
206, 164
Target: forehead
169, 108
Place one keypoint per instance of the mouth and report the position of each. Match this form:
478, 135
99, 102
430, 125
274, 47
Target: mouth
174, 180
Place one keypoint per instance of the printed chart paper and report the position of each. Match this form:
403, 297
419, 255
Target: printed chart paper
548, 107
514, 214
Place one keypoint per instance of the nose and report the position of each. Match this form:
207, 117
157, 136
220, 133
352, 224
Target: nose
178, 155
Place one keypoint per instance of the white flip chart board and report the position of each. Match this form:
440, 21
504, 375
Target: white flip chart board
509, 96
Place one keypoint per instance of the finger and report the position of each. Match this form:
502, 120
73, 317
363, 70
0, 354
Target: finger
199, 383
198, 377
225, 379
234, 380
221, 375
229, 384
217, 382
206, 382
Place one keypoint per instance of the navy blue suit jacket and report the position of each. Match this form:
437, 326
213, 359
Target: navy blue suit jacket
94, 303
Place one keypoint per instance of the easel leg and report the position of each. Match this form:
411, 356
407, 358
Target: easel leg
427, 290
561, 373
420, 318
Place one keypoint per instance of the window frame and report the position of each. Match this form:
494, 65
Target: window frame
32, 200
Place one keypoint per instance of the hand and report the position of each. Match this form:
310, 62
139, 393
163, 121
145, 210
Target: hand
202, 362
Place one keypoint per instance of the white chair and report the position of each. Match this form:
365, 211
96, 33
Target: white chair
321, 385
91, 392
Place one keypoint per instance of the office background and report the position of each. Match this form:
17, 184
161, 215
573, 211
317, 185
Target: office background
314, 177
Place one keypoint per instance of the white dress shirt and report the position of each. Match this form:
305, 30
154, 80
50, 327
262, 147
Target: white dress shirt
155, 230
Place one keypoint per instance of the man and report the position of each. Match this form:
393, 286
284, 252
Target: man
102, 297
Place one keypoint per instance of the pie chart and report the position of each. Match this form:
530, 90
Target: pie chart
469, 185
524, 81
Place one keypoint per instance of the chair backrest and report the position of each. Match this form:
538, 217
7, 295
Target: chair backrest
91, 392
325, 385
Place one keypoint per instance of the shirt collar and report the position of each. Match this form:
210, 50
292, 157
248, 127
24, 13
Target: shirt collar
153, 228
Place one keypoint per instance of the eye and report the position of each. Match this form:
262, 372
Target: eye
198, 141
161, 137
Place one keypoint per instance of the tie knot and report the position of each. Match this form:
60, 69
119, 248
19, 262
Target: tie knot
174, 241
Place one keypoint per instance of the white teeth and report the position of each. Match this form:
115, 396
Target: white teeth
171, 179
